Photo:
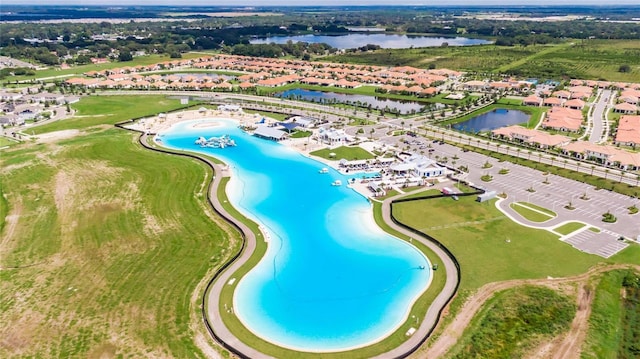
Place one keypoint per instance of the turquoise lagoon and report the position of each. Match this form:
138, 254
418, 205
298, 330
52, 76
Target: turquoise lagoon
331, 279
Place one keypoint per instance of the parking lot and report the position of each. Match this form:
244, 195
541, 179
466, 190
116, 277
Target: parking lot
523, 184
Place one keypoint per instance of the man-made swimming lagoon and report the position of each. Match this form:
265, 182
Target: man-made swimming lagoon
331, 279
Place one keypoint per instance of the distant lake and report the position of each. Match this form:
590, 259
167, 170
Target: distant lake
491, 120
404, 107
386, 41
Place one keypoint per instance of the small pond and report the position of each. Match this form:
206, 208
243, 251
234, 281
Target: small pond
491, 120
380, 103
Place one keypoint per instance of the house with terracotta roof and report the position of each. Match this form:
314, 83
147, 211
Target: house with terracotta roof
563, 119
625, 108
553, 102
605, 154
429, 91
565, 95
589, 151
629, 99
575, 104
532, 100
529, 137
628, 133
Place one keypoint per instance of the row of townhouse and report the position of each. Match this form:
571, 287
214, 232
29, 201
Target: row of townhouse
606, 154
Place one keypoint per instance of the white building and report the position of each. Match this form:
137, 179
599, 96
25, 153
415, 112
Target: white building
333, 136
419, 166
302, 121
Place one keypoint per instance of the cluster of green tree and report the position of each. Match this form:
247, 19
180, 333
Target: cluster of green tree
16, 71
302, 50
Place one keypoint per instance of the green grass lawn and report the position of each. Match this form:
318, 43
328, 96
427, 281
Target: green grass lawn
530, 214
108, 110
348, 153
7, 142
488, 245
109, 262
301, 134
514, 321
569, 227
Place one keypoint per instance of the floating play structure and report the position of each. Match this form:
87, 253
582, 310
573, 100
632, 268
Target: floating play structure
323, 170
216, 142
336, 183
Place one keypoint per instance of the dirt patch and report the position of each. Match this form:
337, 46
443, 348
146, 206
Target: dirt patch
103, 351
569, 346
10, 224
56, 136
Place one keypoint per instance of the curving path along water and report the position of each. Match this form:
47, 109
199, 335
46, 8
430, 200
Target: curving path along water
211, 301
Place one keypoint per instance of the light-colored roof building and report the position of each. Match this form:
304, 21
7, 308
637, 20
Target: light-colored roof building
270, 133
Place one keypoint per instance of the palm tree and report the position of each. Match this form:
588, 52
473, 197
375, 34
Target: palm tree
622, 172
565, 163
592, 169
606, 173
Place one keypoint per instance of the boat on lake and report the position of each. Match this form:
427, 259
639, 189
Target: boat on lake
336, 183
324, 170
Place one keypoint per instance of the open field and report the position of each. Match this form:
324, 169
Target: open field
583, 59
108, 110
514, 321
98, 257
492, 248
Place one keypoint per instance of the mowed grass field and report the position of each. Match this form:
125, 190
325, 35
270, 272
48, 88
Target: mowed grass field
105, 249
108, 110
583, 59
490, 247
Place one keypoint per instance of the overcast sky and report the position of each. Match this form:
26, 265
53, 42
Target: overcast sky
320, 2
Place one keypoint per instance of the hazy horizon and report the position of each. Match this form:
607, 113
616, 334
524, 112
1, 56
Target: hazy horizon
252, 3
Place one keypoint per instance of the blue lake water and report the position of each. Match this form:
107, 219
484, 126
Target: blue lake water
491, 120
331, 279
379, 103
386, 41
